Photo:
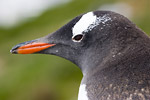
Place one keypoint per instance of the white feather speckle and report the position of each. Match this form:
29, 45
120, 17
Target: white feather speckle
114, 56
88, 22
56, 51
82, 93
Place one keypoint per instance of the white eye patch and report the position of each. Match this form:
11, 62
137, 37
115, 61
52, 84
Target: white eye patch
83, 24
88, 22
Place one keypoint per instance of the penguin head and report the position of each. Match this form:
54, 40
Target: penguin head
80, 39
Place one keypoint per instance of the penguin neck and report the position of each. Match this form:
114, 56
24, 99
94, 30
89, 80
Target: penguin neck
108, 57
97, 58
122, 71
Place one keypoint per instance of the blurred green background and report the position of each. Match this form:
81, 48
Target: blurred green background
47, 77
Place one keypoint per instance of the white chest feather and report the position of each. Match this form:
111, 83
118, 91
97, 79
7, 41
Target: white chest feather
82, 93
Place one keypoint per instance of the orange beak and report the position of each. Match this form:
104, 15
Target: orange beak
31, 48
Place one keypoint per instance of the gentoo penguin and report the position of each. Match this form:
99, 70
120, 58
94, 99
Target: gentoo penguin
112, 53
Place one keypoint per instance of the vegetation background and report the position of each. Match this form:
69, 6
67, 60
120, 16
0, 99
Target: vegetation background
47, 77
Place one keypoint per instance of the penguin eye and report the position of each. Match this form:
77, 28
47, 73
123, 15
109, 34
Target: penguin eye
78, 38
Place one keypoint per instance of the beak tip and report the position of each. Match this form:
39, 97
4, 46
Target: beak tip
13, 51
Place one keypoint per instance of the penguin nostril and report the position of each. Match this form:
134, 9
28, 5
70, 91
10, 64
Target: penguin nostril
77, 38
